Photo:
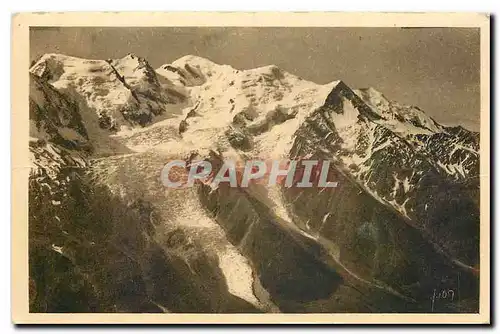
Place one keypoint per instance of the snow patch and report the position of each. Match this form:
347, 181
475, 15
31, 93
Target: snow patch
238, 274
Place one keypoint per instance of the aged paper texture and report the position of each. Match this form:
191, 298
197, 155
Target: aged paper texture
250, 168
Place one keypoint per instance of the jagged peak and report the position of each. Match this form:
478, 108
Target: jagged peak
342, 91
275, 72
268, 68
191, 70
334, 83
371, 91
372, 95
193, 60
62, 58
132, 57
52, 65
59, 57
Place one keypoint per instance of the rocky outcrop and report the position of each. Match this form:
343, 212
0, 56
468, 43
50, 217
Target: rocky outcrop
122, 92
94, 251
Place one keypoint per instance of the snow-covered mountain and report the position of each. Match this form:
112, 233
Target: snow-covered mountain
403, 221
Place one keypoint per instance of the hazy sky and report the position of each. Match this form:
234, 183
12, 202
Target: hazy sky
436, 69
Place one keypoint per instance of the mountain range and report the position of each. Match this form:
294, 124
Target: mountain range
106, 236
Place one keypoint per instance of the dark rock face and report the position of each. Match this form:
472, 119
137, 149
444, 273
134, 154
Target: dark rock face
52, 112
141, 95
334, 101
433, 242
94, 252
355, 248
286, 262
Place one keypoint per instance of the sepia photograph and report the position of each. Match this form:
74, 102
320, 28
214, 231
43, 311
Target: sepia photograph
259, 171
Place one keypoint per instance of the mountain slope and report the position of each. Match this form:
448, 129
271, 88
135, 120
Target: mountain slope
122, 92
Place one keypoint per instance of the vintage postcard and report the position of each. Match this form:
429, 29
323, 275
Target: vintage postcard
251, 168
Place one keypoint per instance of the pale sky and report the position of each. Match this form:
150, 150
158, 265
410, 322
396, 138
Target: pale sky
436, 69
